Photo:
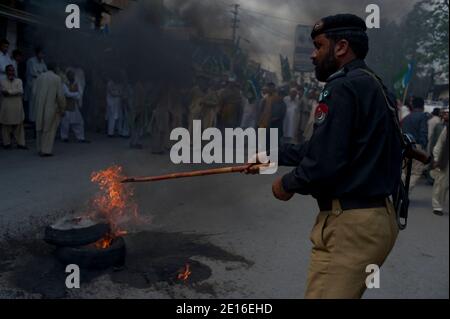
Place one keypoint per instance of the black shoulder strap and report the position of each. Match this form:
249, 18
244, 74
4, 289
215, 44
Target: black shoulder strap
392, 109
401, 197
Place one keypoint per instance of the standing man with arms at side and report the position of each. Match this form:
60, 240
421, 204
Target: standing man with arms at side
11, 110
433, 121
292, 118
5, 59
17, 61
440, 172
351, 165
35, 67
50, 105
72, 119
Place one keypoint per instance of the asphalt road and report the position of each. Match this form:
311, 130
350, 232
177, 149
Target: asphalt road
249, 244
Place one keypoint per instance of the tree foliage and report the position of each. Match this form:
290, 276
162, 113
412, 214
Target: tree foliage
422, 37
427, 42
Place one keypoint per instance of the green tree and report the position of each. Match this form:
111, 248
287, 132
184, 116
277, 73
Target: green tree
426, 40
422, 37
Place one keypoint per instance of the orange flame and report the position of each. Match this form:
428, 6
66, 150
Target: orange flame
105, 242
114, 200
185, 273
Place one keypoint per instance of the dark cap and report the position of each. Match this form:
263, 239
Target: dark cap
339, 23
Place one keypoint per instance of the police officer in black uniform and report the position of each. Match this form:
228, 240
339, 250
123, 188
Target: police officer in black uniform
351, 165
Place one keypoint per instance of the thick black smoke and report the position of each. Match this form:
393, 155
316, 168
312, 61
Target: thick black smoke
267, 27
136, 44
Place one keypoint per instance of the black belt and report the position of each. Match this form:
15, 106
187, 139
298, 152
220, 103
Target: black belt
349, 204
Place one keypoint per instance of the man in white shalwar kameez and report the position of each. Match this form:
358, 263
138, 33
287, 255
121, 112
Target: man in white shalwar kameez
310, 106
250, 108
127, 105
11, 110
137, 113
292, 118
72, 118
441, 171
16, 61
80, 80
114, 93
35, 67
50, 105
160, 124
5, 59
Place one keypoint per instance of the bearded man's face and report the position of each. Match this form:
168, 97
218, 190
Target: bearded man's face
323, 58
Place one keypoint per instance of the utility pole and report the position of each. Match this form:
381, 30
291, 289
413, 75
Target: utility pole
235, 21
235, 27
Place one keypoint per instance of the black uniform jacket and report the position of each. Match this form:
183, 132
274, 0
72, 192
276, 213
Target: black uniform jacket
355, 151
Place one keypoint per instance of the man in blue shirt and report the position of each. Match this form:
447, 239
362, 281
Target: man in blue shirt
416, 125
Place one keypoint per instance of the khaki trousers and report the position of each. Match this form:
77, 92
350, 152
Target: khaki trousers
17, 130
416, 172
344, 244
45, 140
440, 189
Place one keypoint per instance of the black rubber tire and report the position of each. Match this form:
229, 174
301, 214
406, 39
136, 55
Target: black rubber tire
90, 257
77, 236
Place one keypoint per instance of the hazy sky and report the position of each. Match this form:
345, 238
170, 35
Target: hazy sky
269, 25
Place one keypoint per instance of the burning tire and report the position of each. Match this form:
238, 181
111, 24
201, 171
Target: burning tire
94, 257
74, 232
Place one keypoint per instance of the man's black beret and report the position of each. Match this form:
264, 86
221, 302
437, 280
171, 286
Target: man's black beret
339, 23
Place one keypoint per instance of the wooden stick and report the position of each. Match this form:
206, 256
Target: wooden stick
208, 172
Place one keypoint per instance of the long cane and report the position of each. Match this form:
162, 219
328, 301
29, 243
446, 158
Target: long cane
208, 172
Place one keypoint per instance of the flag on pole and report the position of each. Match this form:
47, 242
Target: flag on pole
403, 79
285, 68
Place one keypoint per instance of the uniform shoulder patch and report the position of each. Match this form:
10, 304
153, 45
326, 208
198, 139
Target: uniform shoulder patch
324, 94
321, 113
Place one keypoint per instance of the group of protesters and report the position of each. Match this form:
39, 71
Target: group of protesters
43, 95
138, 108
430, 133
50, 98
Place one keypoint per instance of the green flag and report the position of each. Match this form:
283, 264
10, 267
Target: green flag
403, 79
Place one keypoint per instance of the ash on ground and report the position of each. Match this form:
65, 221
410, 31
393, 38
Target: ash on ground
154, 259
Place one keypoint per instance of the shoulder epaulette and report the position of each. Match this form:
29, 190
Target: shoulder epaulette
338, 74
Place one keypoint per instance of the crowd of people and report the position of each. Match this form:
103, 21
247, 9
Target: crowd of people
136, 108
430, 132
50, 98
